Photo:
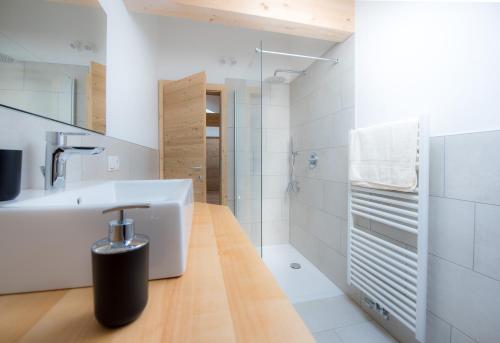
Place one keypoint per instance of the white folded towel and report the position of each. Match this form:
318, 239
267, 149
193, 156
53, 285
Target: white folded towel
385, 156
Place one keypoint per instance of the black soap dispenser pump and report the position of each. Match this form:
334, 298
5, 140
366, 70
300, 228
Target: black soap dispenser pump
120, 271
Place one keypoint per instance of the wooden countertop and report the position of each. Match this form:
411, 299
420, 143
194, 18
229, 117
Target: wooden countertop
226, 295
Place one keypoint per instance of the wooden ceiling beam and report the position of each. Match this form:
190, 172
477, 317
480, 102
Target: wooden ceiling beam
331, 20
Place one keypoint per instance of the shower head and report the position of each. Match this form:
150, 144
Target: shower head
280, 79
275, 79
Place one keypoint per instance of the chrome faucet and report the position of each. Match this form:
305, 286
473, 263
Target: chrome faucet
57, 153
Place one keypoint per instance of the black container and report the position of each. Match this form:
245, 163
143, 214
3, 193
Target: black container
120, 271
120, 285
10, 173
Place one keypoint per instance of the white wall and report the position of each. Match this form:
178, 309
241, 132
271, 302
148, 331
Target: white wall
131, 88
437, 59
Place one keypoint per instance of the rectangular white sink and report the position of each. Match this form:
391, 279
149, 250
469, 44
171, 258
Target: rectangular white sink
46, 238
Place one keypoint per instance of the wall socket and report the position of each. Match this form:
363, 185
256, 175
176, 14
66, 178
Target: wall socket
113, 163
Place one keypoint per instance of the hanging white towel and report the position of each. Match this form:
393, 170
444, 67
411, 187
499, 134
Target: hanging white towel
385, 156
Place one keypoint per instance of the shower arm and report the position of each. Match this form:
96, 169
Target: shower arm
334, 60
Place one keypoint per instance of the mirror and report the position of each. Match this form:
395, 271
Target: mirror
52, 60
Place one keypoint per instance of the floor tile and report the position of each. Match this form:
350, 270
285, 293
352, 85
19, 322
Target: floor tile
330, 313
329, 336
364, 333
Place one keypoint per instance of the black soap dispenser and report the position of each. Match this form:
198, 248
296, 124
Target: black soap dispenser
120, 271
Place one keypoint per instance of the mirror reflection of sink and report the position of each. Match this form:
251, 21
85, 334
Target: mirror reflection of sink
46, 238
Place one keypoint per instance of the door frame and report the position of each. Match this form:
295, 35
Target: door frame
215, 89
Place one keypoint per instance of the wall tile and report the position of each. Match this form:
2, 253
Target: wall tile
487, 242
327, 228
342, 123
276, 140
451, 230
275, 163
436, 166
275, 117
471, 167
275, 232
325, 100
467, 300
306, 243
337, 164
272, 209
438, 331
336, 198
333, 265
279, 95
299, 213
311, 192
459, 337
347, 88
274, 186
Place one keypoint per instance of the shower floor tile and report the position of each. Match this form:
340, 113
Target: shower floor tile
304, 284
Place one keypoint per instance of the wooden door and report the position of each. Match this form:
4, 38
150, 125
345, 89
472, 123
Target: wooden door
183, 105
96, 98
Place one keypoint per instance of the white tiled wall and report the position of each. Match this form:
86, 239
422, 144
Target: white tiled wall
464, 236
27, 132
322, 112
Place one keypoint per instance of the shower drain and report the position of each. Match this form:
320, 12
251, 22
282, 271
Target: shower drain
295, 265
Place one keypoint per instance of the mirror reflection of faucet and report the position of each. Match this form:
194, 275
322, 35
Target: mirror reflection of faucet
57, 152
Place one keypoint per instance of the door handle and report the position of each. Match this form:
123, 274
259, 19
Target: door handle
196, 168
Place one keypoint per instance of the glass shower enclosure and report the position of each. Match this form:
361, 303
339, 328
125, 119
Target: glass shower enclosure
248, 151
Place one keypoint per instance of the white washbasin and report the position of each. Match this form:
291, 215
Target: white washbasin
46, 238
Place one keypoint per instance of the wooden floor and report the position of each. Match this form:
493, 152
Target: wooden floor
226, 295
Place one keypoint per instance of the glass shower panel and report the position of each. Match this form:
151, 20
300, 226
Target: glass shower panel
248, 155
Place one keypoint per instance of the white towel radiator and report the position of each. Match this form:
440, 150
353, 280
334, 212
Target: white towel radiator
394, 276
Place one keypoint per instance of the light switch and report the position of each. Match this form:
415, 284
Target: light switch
113, 163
